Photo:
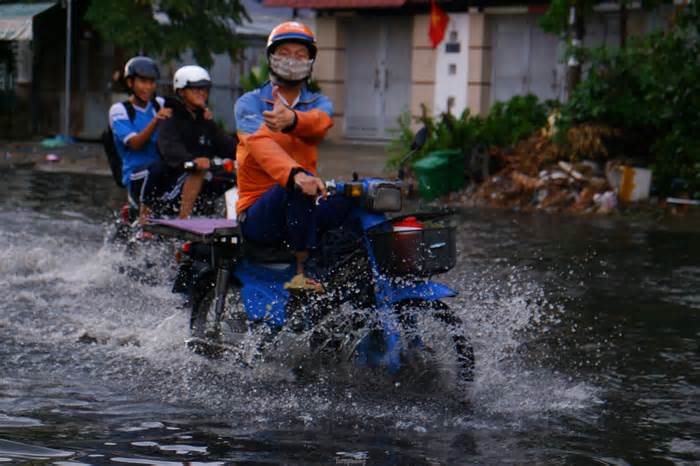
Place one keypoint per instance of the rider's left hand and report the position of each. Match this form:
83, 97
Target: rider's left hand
281, 116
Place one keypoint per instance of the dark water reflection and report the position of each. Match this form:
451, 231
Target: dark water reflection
586, 332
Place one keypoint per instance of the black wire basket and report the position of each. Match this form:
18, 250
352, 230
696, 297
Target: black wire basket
421, 252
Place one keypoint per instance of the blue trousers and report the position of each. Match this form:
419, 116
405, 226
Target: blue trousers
291, 216
159, 183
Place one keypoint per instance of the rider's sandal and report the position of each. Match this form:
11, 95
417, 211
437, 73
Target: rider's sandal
301, 283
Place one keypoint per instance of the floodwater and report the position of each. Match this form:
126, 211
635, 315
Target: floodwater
585, 331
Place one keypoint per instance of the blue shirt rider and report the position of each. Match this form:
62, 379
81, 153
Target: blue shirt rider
135, 139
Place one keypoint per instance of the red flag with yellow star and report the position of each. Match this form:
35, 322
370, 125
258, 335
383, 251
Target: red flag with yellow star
438, 24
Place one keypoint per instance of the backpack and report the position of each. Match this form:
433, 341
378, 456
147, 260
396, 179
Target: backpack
110, 147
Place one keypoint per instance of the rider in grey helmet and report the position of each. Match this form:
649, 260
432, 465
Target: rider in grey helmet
143, 67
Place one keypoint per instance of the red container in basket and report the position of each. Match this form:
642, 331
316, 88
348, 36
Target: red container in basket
407, 239
408, 224
414, 248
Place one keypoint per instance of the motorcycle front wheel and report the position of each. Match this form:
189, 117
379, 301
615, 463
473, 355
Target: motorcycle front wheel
444, 341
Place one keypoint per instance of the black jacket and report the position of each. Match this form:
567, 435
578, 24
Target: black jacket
182, 138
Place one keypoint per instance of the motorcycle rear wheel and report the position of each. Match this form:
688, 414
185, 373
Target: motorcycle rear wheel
225, 329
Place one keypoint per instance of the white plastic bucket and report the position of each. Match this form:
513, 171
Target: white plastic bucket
635, 183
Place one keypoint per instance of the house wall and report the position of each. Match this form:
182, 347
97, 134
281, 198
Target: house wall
329, 69
479, 80
384, 83
475, 78
519, 58
452, 67
423, 60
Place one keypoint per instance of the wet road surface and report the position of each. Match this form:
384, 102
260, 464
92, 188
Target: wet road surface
585, 332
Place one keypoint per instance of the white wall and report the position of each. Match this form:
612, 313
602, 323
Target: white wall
451, 69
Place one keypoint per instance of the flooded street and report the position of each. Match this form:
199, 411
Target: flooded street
585, 332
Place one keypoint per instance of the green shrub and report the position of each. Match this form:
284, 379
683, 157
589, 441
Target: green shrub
511, 121
256, 77
505, 125
650, 90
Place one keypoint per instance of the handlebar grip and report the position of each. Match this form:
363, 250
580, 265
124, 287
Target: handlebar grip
216, 163
331, 186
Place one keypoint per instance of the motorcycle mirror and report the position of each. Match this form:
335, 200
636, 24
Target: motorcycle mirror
418, 142
419, 139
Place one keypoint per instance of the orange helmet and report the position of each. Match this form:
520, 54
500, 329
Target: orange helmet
292, 31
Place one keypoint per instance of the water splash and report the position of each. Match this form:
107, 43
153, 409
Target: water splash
508, 313
131, 332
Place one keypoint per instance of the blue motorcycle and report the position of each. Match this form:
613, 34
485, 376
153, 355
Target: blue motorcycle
375, 270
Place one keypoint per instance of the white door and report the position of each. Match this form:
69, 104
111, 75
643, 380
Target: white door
362, 105
546, 75
525, 59
396, 73
511, 50
603, 29
378, 76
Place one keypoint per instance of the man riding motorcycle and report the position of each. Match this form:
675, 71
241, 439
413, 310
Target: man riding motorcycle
279, 127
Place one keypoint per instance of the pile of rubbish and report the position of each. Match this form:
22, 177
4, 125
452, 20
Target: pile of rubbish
579, 177
534, 178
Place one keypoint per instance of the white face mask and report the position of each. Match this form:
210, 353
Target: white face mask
289, 68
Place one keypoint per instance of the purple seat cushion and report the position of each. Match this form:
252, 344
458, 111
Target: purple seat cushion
199, 226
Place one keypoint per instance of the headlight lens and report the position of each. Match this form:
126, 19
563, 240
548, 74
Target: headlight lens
387, 199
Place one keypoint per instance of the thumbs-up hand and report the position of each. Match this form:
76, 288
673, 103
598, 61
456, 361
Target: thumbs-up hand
281, 116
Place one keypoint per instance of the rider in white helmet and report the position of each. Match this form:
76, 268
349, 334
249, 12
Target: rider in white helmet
189, 135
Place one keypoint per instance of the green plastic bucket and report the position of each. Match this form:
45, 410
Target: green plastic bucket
439, 173
433, 176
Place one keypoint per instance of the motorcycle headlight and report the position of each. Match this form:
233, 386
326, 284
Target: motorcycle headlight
385, 198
